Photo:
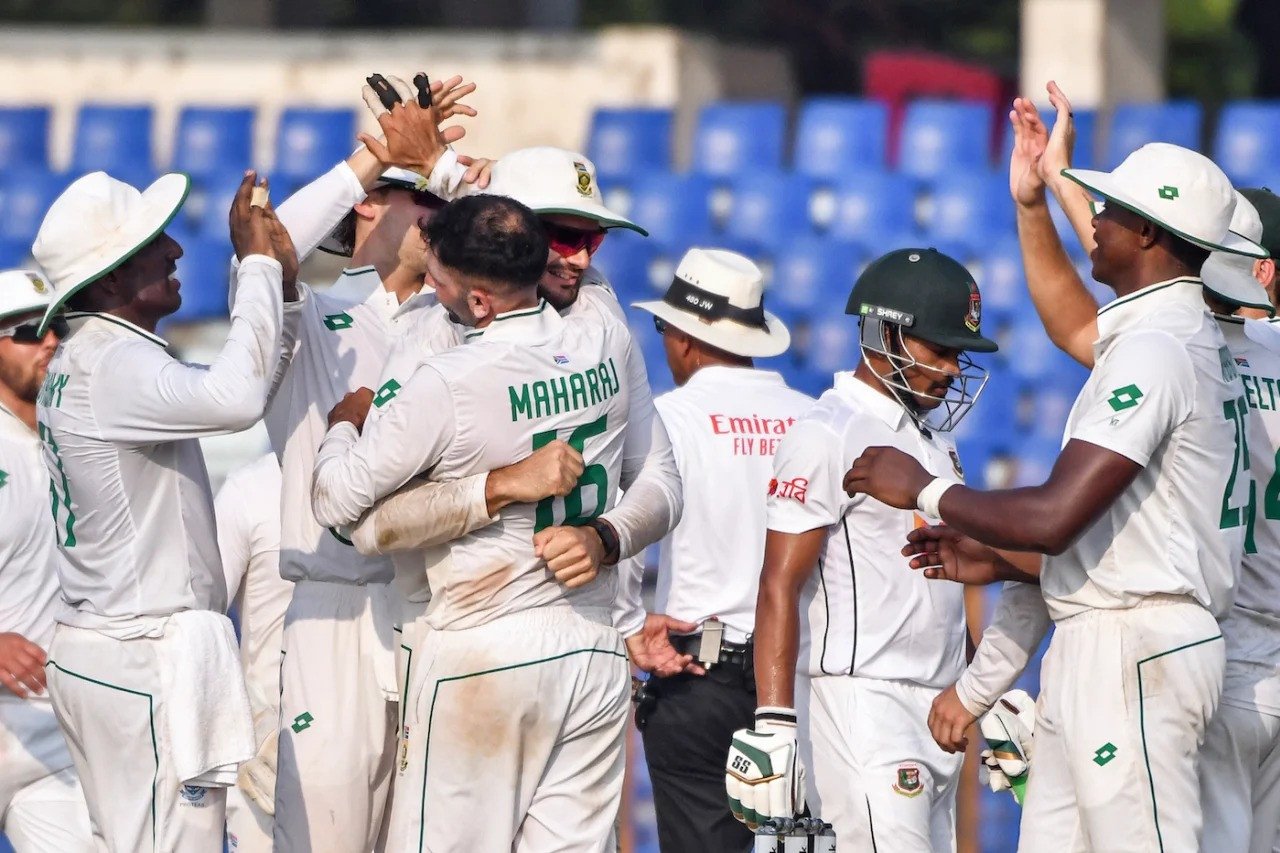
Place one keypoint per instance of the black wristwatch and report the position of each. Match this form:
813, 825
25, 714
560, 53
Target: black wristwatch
608, 538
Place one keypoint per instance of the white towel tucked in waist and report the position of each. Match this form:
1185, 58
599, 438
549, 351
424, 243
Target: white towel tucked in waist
207, 718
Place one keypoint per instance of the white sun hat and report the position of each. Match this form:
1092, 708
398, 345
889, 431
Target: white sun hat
394, 177
97, 224
717, 296
555, 180
1181, 191
1230, 276
23, 292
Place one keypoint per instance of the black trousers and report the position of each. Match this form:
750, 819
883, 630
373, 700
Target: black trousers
686, 743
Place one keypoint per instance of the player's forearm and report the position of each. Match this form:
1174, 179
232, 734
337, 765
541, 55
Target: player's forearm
1021, 567
341, 490
316, 209
1021, 620
1065, 306
777, 643
424, 514
628, 609
446, 177
653, 502
1027, 519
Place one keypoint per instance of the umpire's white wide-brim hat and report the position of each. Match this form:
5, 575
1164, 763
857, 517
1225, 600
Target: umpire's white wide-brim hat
1177, 189
97, 224
555, 180
23, 292
1230, 276
717, 296
393, 177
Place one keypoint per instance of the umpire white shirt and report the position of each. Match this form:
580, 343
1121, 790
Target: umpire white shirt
120, 419
868, 614
1164, 392
725, 425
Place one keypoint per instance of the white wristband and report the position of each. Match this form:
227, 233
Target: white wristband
930, 495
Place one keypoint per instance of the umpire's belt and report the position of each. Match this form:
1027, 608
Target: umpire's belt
732, 654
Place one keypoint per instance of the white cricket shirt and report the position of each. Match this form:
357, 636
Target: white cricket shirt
248, 512
526, 379
344, 336
1163, 392
725, 425
29, 597
120, 421
868, 613
1251, 627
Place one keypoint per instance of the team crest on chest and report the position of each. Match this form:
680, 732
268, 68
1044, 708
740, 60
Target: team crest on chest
955, 461
908, 784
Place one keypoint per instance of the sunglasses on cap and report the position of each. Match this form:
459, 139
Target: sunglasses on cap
567, 242
660, 324
29, 333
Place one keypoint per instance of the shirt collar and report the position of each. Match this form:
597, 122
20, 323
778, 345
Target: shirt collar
111, 323
9, 422
364, 285
883, 406
725, 373
526, 325
1124, 312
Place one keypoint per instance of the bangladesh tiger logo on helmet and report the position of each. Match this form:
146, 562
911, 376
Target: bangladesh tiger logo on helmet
973, 317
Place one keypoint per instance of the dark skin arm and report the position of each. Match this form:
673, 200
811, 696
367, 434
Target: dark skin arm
789, 559
945, 554
1046, 519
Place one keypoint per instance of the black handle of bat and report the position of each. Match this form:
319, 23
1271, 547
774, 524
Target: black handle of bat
386, 92
423, 82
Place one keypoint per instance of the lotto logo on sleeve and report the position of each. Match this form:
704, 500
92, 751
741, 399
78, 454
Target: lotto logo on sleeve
1124, 398
386, 393
795, 490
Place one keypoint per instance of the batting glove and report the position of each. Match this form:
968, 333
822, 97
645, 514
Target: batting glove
764, 777
1008, 729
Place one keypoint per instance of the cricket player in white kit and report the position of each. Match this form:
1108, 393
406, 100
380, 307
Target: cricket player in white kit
1142, 518
518, 697
248, 516
1240, 769
143, 667
850, 645
42, 808
726, 420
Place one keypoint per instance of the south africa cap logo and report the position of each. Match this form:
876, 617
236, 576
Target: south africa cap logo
584, 179
973, 317
37, 284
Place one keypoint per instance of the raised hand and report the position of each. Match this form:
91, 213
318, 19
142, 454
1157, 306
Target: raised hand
1062, 139
410, 125
1030, 138
479, 170
250, 230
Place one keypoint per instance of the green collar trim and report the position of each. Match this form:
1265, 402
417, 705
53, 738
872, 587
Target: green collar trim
509, 315
57, 304
124, 324
1133, 297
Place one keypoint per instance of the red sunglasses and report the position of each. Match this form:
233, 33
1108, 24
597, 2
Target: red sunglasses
567, 242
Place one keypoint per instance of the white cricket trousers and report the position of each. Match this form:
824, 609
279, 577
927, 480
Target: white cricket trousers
42, 808
1240, 762
110, 703
248, 827
873, 770
337, 718
515, 737
1125, 699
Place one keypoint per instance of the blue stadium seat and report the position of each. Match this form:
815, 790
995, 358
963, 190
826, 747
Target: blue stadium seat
24, 137
625, 141
868, 206
969, 208
14, 253
832, 344
1134, 125
115, 139
1000, 276
204, 271
735, 137
1247, 145
769, 209
626, 259
209, 202
836, 135
213, 139
25, 196
671, 207
813, 275
310, 141
1085, 153
940, 137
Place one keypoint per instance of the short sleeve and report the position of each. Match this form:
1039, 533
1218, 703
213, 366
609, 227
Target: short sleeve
1142, 390
805, 492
